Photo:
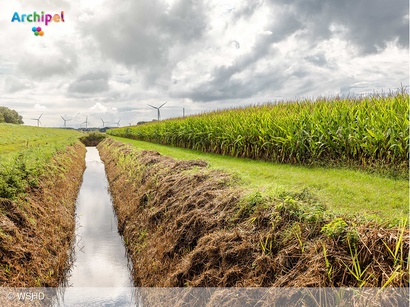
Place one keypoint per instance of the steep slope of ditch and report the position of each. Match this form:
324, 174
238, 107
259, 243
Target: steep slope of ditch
36, 230
186, 225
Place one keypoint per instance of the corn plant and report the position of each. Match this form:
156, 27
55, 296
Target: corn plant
363, 130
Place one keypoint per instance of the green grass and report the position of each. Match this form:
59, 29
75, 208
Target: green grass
17, 138
24, 153
343, 191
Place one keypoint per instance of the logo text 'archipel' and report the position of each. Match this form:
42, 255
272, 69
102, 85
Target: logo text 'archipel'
46, 18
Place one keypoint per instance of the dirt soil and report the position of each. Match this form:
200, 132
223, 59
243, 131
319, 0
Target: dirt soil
186, 225
36, 231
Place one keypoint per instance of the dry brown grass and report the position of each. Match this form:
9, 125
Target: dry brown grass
36, 230
184, 226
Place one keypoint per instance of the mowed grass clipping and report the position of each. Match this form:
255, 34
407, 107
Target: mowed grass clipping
369, 132
343, 191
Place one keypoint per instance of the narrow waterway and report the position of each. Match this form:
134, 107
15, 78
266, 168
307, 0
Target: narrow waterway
101, 274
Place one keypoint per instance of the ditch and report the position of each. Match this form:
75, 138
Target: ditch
100, 270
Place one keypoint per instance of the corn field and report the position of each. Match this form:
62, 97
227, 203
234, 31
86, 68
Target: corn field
366, 131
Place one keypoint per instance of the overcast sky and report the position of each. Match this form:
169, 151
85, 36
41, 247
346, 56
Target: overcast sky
109, 59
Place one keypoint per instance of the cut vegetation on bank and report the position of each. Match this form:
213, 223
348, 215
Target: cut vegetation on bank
40, 174
342, 191
187, 225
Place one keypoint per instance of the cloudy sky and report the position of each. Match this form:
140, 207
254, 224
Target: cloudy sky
109, 59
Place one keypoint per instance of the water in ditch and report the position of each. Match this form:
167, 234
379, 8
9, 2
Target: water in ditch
100, 275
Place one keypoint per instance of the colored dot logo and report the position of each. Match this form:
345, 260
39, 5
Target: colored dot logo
37, 31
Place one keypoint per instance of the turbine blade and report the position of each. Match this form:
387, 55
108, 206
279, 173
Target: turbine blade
162, 105
153, 106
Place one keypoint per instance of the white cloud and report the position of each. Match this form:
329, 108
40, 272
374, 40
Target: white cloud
113, 58
40, 107
98, 108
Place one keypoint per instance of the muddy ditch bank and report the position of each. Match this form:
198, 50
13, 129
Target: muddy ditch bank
186, 225
36, 230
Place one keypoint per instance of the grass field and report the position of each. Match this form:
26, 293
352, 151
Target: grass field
24, 152
341, 190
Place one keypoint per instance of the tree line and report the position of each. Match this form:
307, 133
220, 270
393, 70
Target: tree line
10, 116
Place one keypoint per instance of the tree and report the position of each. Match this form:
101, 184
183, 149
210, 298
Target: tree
10, 116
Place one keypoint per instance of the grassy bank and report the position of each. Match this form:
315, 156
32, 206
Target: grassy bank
40, 174
342, 191
369, 133
185, 224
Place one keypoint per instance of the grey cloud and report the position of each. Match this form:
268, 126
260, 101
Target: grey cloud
121, 78
373, 23
222, 84
144, 38
13, 85
284, 25
247, 9
232, 90
42, 66
90, 83
148, 52
225, 85
317, 59
185, 21
239, 89
369, 24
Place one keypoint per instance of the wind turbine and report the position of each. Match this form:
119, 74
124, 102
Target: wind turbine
65, 121
103, 122
38, 120
159, 115
118, 123
86, 122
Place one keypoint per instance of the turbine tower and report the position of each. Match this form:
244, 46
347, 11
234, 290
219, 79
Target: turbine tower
86, 123
158, 108
65, 121
38, 120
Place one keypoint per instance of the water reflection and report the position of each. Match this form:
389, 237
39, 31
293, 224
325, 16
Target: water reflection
100, 257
